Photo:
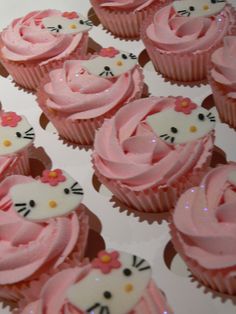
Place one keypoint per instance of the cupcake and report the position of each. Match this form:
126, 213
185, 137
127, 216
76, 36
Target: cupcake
123, 18
38, 42
43, 228
222, 78
79, 95
17, 137
114, 282
181, 37
203, 229
152, 150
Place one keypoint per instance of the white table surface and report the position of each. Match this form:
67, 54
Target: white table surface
139, 234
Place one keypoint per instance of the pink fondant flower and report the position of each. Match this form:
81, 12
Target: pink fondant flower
10, 119
53, 177
70, 15
110, 52
106, 261
184, 105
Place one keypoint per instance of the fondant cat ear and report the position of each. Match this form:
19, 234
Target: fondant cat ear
55, 194
196, 8
68, 23
110, 63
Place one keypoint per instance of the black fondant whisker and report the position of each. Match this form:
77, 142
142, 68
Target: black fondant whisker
73, 185
140, 263
144, 268
89, 23
132, 56
163, 135
20, 204
93, 307
166, 138
104, 310
31, 129
27, 213
21, 210
111, 73
134, 260
184, 12
78, 193
28, 137
172, 139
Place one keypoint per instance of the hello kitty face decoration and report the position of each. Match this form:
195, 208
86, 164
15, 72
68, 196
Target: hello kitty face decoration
196, 8
110, 63
15, 133
54, 194
67, 23
114, 288
183, 123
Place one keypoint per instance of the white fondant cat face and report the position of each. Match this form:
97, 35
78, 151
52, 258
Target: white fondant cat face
15, 133
116, 292
58, 195
178, 128
65, 25
110, 66
196, 8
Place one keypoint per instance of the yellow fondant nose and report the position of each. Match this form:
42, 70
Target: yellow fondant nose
128, 287
7, 143
52, 204
73, 26
119, 63
52, 174
206, 7
105, 258
193, 129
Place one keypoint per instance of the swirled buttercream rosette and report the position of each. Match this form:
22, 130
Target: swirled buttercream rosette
114, 282
180, 44
152, 150
78, 96
40, 41
17, 137
222, 79
43, 228
123, 18
204, 229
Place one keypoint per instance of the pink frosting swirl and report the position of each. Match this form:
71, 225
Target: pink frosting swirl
28, 248
205, 219
127, 149
224, 66
25, 39
136, 5
76, 94
173, 33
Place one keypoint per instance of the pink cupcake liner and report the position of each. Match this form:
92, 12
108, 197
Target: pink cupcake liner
82, 131
225, 105
29, 74
155, 199
15, 292
124, 23
177, 66
217, 279
20, 166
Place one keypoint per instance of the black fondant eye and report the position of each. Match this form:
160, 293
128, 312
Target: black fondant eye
59, 26
66, 191
107, 295
174, 130
127, 272
124, 56
18, 134
107, 68
191, 8
213, 1
201, 116
32, 203
81, 22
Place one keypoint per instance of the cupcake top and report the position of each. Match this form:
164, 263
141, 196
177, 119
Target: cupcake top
188, 26
136, 5
154, 141
83, 89
115, 283
205, 219
43, 36
224, 66
39, 223
16, 135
